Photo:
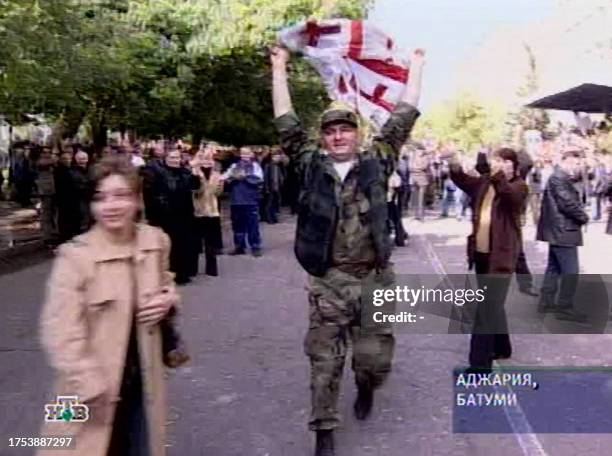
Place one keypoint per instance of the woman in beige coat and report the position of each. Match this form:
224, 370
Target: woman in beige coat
206, 206
108, 291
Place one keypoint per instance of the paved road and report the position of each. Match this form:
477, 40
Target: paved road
246, 391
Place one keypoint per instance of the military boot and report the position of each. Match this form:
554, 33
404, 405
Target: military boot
325, 443
364, 401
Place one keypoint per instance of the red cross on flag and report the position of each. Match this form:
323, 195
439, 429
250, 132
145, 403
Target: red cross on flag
359, 64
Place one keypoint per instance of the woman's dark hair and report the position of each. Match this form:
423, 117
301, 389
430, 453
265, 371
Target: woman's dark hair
509, 154
119, 165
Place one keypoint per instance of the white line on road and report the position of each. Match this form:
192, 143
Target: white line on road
527, 439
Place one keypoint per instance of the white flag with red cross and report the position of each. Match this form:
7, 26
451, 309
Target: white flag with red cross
359, 64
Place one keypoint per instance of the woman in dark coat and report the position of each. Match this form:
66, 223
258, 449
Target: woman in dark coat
498, 199
61, 175
174, 204
80, 186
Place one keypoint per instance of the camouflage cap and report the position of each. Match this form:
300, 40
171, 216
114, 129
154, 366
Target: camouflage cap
339, 113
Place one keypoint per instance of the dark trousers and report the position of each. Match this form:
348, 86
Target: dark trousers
490, 332
48, 218
395, 219
448, 201
562, 269
129, 434
403, 194
210, 231
71, 221
64, 224
24, 192
523, 274
185, 248
272, 207
245, 224
598, 203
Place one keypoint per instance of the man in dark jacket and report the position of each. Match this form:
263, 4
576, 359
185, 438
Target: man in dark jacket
45, 184
72, 186
153, 177
342, 239
273, 182
63, 189
22, 174
498, 199
560, 225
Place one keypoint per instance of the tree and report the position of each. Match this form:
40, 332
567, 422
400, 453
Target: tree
522, 119
465, 120
157, 68
221, 45
67, 59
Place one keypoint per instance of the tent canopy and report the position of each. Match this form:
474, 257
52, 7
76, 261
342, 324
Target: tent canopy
591, 98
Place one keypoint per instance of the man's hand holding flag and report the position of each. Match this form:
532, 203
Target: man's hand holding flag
359, 64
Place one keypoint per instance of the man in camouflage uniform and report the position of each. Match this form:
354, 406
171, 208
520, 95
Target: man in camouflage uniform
342, 240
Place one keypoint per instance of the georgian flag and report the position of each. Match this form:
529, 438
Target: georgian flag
358, 63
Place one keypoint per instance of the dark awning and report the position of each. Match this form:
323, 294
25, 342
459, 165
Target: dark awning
583, 98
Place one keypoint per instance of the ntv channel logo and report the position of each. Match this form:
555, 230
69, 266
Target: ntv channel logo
66, 409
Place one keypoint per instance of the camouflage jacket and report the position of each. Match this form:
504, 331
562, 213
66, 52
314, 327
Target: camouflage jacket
344, 224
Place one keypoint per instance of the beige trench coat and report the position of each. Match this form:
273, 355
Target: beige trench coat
205, 202
85, 328
419, 168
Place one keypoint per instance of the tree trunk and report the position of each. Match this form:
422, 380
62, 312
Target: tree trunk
97, 120
67, 126
196, 139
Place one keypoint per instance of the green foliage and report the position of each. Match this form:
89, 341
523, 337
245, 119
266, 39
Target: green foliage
467, 121
157, 67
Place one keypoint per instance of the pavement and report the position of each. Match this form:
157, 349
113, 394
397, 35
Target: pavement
246, 393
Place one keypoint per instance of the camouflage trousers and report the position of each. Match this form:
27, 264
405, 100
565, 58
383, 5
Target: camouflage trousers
334, 324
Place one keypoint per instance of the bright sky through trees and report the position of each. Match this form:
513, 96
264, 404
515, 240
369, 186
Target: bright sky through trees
450, 30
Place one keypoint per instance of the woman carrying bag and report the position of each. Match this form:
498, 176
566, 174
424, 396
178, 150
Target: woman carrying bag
109, 295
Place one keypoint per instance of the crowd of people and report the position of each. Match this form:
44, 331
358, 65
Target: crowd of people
421, 184
181, 184
348, 201
426, 184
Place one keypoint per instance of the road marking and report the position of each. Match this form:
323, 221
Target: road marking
527, 439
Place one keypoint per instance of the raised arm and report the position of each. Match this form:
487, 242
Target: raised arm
281, 98
293, 138
413, 88
397, 129
468, 184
